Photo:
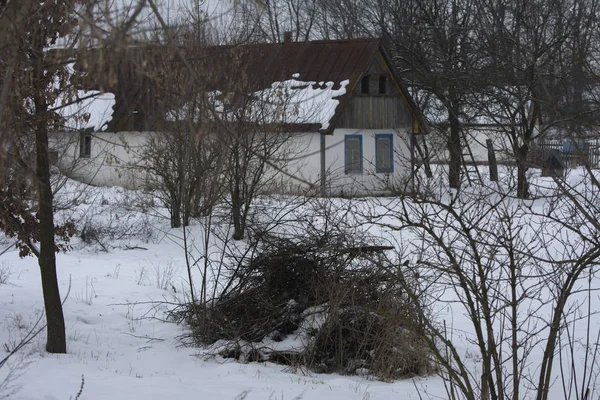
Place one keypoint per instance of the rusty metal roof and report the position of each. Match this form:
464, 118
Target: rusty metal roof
265, 63
252, 67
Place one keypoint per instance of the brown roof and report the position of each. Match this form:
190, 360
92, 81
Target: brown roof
256, 65
265, 63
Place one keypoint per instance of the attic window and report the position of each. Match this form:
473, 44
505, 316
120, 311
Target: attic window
364, 85
382, 84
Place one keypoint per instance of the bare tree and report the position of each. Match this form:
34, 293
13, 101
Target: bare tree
531, 70
29, 28
40, 40
252, 140
275, 17
182, 167
432, 42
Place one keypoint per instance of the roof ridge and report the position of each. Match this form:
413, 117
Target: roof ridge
373, 39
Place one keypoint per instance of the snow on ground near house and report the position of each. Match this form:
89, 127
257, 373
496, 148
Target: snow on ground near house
124, 356
118, 339
116, 335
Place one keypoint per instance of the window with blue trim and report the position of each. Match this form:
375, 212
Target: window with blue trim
384, 153
354, 154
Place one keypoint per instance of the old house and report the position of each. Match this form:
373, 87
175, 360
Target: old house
347, 117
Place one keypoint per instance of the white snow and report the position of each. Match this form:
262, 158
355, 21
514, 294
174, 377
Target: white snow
292, 101
119, 340
117, 336
297, 101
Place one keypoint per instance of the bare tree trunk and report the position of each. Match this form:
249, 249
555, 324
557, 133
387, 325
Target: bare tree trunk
455, 152
236, 208
522, 184
492, 160
56, 340
175, 214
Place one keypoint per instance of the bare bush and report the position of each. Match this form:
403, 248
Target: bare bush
337, 294
515, 274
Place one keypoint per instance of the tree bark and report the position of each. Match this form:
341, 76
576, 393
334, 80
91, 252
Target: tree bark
455, 151
492, 160
55, 322
522, 184
236, 208
175, 214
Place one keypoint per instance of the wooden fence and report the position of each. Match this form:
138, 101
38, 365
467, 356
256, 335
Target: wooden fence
569, 154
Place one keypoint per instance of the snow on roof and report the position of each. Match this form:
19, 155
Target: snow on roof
92, 110
302, 102
292, 101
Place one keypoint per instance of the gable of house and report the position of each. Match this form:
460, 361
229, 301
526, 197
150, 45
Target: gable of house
377, 101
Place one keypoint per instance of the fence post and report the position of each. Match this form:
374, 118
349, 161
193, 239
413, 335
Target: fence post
492, 160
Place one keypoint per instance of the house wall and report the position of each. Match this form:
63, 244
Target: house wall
375, 110
303, 168
476, 139
115, 161
299, 165
369, 181
114, 158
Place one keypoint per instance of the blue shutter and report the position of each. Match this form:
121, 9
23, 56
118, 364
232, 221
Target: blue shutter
384, 153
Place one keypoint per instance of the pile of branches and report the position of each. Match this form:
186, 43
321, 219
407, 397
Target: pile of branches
343, 304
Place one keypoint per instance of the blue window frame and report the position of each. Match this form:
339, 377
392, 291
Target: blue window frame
353, 163
384, 153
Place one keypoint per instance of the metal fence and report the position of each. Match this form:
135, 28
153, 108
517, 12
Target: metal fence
568, 153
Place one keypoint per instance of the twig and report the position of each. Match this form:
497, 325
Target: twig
148, 338
80, 388
135, 248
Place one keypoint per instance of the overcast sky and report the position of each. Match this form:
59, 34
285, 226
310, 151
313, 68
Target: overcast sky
171, 10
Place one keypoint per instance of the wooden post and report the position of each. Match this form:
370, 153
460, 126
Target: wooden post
287, 37
492, 160
323, 166
412, 162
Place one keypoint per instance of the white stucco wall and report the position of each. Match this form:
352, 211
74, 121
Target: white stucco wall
369, 181
115, 161
476, 139
303, 165
298, 164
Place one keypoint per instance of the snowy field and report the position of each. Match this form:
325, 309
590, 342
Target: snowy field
123, 353
118, 337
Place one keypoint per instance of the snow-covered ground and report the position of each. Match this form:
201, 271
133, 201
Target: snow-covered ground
118, 338
122, 352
